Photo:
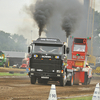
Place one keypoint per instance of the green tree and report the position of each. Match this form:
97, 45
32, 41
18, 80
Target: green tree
96, 37
14, 42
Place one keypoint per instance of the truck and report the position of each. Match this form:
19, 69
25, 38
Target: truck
4, 61
82, 73
25, 63
48, 61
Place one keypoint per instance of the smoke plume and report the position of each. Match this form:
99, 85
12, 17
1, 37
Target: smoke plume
68, 24
65, 14
41, 13
72, 16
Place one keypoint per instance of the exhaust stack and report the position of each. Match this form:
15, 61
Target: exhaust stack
67, 41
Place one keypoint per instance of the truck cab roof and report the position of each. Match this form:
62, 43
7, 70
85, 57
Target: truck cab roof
48, 41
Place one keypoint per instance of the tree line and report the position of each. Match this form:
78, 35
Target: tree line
13, 42
96, 35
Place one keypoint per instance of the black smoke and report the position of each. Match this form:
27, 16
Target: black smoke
68, 24
65, 14
72, 16
41, 13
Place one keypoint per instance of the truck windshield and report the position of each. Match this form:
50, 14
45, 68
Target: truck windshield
47, 49
80, 48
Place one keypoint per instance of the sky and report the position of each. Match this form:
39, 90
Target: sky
10, 14
13, 19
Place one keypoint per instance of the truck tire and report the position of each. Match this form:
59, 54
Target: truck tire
70, 83
86, 79
7, 62
33, 79
63, 79
39, 80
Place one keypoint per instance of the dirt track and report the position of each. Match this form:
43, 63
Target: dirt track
16, 70
19, 88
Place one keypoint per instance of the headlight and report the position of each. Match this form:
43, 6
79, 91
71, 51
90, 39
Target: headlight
58, 75
35, 55
32, 69
32, 73
53, 70
57, 57
58, 71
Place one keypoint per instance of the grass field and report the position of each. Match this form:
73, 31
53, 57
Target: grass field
14, 74
79, 98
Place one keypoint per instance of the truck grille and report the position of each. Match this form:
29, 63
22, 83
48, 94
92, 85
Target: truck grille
46, 64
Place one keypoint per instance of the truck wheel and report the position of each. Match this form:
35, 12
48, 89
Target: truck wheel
39, 80
7, 62
70, 83
86, 79
63, 80
33, 79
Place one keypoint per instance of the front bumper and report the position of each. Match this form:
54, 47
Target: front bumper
49, 76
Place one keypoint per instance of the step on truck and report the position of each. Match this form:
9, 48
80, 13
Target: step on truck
48, 61
82, 73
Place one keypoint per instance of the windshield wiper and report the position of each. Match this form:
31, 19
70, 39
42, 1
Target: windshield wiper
42, 50
52, 50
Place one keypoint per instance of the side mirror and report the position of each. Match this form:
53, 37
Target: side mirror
28, 49
64, 49
67, 50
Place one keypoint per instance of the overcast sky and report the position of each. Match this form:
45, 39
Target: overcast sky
12, 15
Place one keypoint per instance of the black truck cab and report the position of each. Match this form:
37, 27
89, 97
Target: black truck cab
48, 61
